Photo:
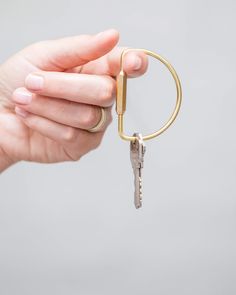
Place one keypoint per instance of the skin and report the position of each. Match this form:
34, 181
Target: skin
47, 121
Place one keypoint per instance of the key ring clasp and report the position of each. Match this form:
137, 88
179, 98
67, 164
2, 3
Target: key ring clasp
122, 89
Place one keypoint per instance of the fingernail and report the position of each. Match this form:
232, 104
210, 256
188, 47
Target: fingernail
113, 31
137, 63
22, 96
100, 33
34, 82
20, 112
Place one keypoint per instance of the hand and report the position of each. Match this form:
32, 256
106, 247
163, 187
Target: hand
51, 93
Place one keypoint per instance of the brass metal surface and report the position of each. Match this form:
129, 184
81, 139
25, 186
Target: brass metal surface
121, 96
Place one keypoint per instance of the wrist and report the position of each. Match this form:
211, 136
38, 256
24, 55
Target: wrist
5, 161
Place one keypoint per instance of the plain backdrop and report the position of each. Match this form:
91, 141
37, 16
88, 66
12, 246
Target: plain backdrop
71, 228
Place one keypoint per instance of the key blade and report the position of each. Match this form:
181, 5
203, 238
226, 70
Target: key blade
137, 188
137, 151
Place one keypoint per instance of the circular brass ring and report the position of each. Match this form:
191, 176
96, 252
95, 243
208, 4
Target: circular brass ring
101, 122
178, 97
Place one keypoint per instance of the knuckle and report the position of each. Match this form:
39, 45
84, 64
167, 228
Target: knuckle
90, 117
69, 135
107, 92
32, 122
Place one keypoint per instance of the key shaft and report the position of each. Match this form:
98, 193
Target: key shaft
137, 151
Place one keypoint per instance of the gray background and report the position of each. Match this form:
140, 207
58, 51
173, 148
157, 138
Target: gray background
71, 228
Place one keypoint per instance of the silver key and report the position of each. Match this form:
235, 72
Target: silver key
137, 151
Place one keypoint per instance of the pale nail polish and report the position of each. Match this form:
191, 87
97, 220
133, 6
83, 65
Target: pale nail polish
34, 82
109, 31
100, 34
22, 96
20, 112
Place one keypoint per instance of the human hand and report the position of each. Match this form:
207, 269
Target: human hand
51, 93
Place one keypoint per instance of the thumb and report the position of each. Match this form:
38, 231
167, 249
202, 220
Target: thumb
66, 53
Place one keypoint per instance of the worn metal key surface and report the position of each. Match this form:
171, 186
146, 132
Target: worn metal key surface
137, 151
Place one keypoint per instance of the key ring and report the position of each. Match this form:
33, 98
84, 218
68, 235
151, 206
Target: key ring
122, 89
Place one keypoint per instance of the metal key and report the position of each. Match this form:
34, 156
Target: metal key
137, 151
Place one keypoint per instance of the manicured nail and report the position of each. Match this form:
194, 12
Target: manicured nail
34, 82
106, 32
137, 63
20, 112
22, 96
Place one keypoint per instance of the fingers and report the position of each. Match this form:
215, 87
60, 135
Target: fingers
61, 54
135, 63
77, 115
89, 89
74, 142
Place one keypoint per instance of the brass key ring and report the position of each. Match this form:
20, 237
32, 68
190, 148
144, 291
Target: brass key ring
121, 96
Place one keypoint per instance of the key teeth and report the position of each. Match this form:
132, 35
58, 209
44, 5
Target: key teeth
140, 189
